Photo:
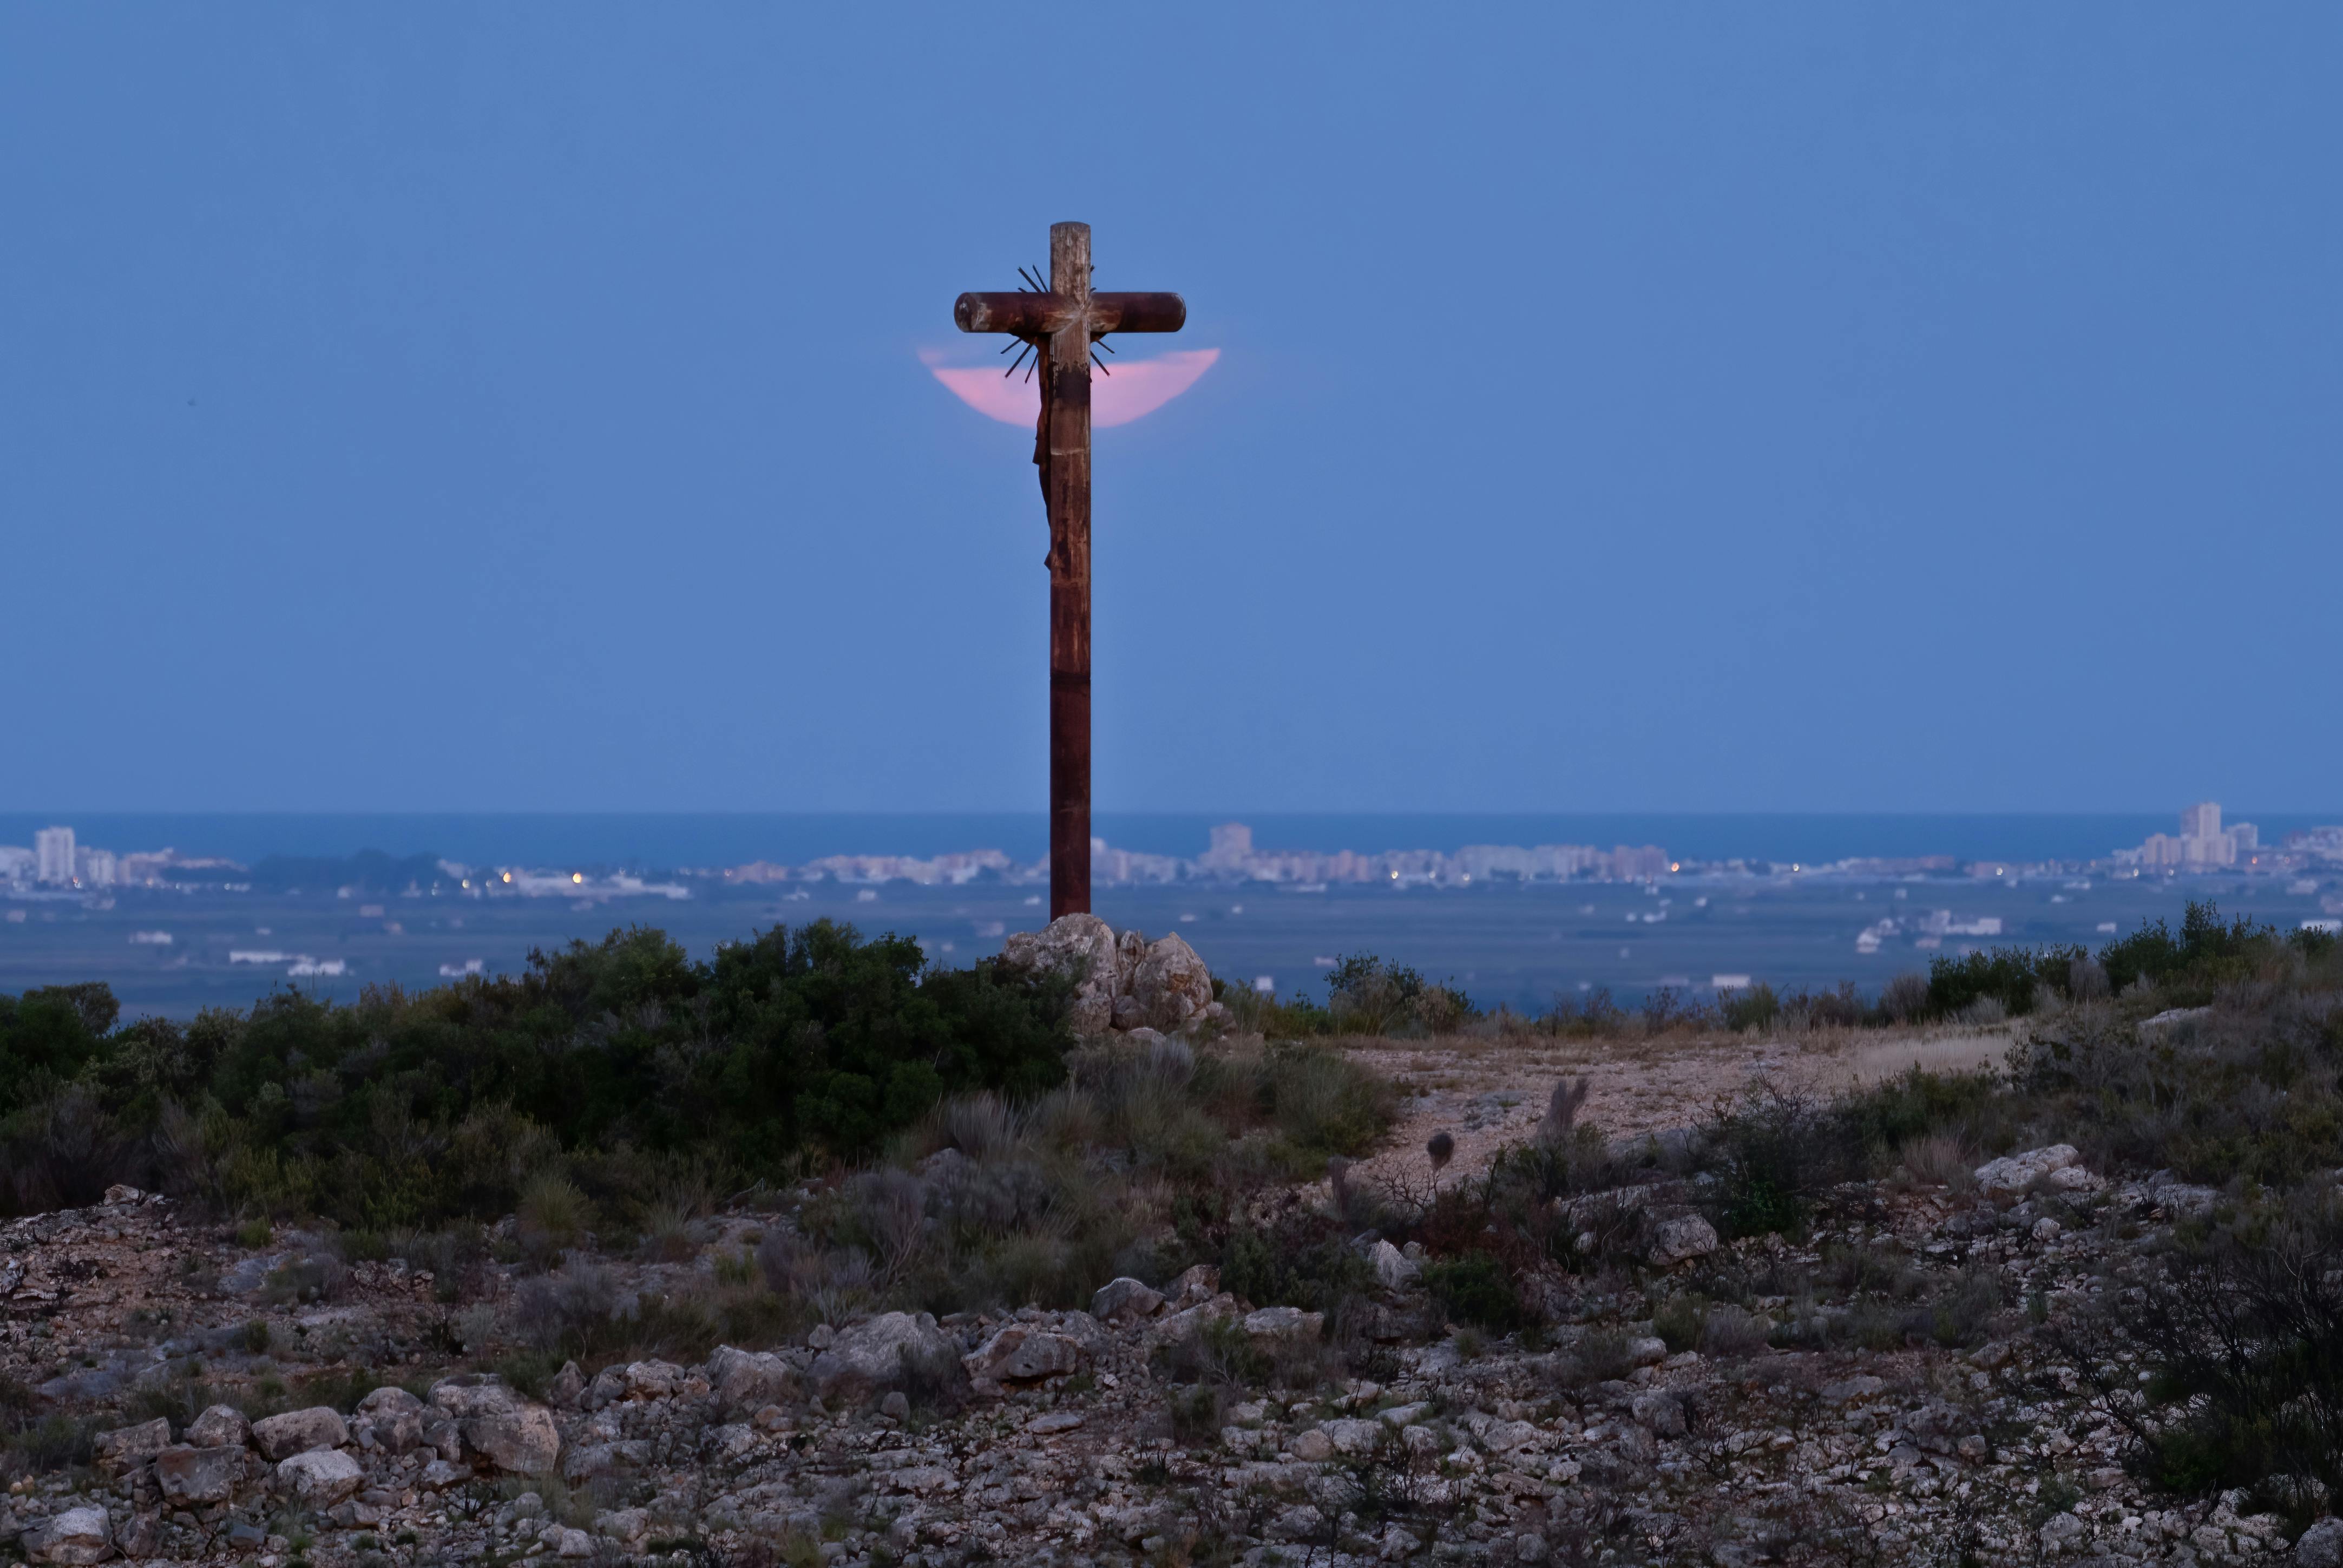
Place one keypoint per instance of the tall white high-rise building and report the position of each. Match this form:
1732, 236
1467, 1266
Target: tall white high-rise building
96, 868
2202, 821
1231, 846
52, 855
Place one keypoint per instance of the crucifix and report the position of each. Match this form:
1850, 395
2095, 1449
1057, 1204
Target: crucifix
1059, 325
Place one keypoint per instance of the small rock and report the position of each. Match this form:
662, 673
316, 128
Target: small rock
1280, 1322
2046, 1228
125, 1448
1312, 1445
76, 1536
623, 1524
896, 1406
220, 1426
1350, 1436
1508, 1435
392, 1419
749, 1380
440, 1474
300, 1430
1676, 1240
1054, 1421
1125, 1300
2017, 1173
2063, 1532
1648, 1351
320, 1477
2320, 1546
1394, 1269
884, 1352
652, 1379
1199, 1284
1171, 984
564, 1542
1661, 1409
1080, 946
1853, 1390
515, 1434
568, 1385
1017, 1354
192, 1477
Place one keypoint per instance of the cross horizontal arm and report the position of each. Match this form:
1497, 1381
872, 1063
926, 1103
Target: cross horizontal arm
1039, 315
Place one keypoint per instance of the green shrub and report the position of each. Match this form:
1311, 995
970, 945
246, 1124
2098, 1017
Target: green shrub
1302, 1260
623, 1062
1895, 1111
1768, 1155
1476, 1289
2012, 978
2205, 952
1751, 1006
2241, 1326
551, 1216
1678, 1321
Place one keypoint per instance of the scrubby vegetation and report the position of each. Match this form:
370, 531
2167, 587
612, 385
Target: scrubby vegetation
1369, 996
2209, 1059
621, 1067
936, 1140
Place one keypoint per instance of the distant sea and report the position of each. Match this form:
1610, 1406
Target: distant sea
663, 840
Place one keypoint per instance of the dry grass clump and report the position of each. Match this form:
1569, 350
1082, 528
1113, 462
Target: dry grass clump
1940, 1159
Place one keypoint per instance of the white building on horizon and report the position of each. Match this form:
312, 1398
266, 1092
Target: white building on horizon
52, 855
2203, 843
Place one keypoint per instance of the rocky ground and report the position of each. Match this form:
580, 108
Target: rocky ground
273, 1404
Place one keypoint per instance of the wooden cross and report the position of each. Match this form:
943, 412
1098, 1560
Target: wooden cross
1061, 324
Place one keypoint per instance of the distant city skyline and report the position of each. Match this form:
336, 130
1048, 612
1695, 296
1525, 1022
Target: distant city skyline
57, 859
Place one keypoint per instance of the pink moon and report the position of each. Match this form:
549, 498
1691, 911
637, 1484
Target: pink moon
1132, 389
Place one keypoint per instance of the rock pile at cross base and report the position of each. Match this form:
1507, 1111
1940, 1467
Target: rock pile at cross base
1123, 984
1060, 1437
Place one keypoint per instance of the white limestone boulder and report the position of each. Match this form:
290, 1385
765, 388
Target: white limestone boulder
1083, 946
76, 1536
883, 1352
299, 1430
1171, 984
320, 1477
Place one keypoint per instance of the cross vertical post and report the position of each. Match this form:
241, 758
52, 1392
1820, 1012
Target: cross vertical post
1059, 327
1066, 485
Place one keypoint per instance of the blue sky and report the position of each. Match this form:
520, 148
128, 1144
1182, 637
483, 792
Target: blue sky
1653, 409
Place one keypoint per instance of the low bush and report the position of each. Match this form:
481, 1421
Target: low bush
2242, 1324
1302, 1259
2003, 978
620, 1066
1476, 1289
1751, 1006
1769, 1153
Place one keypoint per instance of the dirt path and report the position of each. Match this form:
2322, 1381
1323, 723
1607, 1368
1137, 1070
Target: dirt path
1487, 1093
